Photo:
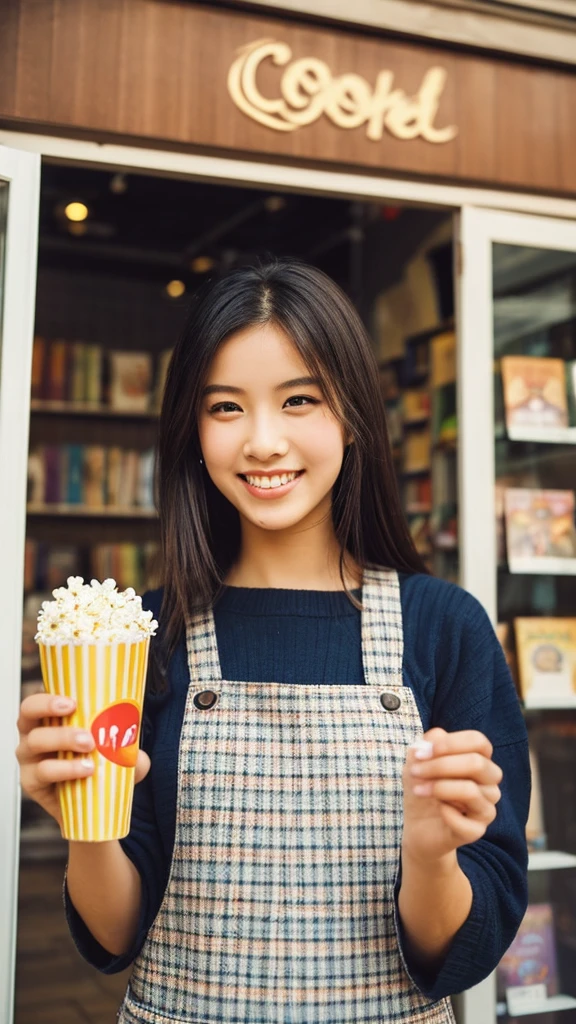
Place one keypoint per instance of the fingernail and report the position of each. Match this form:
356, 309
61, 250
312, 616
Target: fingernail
86, 762
423, 750
83, 739
62, 704
422, 789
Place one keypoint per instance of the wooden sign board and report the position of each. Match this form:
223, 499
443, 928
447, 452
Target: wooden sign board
178, 74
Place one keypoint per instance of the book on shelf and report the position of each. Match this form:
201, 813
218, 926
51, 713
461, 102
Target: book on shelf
531, 959
416, 451
540, 531
571, 390
130, 381
91, 476
48, 566
417, 495
546, 653
39, 351
415, 405
443, 359
534, 392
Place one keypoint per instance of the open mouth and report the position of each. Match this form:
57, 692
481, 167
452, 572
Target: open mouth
272, 482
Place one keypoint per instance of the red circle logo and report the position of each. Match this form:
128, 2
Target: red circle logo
115, 732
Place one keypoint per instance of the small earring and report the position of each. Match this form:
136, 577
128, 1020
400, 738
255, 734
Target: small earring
201, 462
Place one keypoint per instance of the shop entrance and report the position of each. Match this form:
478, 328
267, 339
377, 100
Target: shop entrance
120, 255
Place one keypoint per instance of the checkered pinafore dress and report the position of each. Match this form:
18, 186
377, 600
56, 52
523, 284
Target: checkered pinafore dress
280, 904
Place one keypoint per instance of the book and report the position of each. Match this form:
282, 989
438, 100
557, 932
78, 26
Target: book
78, 391
443, 359
114, 476
57, 369
130, 381
531, 959
534, 392
93, 374
74, 482
546, 652
52, 466
36, 488
417, 451
94, 475
39, 352
540, 532
415, 405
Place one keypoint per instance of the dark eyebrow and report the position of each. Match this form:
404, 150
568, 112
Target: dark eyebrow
298, 382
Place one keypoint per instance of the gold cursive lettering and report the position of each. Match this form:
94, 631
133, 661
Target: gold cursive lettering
308, 90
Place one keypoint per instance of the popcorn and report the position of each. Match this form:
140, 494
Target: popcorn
85, 613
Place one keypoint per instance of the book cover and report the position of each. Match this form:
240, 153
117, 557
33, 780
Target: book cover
52, 466
417, 451
145, 487
130, 381
534, 392
93, 374
415, 405
38, 367
78, 372
546, 651
75, 474
57, 366
114, 476
94, 475
443, 359
63, 473
36, 490
531, 959
129, 478
30, 560
540, 532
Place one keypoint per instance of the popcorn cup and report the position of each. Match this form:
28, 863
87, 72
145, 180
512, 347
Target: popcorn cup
107, 682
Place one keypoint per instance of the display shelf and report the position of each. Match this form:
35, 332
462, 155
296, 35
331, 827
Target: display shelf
552, 1004
52, 408
87, 512
550, 435
550, 860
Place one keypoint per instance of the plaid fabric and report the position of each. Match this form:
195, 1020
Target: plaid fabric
280, 904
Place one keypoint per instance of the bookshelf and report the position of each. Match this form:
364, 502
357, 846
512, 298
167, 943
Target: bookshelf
534, 433
87, 512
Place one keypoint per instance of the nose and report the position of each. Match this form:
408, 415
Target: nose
266, 441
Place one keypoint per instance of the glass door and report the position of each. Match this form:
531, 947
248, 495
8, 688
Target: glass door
19, 197
517, 417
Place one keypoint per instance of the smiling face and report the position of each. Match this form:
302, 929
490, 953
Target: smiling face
269, 440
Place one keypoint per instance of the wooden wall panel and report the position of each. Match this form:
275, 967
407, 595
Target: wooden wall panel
157, 70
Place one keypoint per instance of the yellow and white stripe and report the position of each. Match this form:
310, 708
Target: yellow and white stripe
96, 808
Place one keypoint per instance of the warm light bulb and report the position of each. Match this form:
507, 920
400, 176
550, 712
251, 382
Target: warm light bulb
76, 211
202, 264
175, 289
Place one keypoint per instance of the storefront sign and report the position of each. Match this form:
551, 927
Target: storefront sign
309, 89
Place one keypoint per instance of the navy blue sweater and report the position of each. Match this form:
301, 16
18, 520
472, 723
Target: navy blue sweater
455, 667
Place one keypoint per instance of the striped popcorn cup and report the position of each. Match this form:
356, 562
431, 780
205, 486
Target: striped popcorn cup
107, 682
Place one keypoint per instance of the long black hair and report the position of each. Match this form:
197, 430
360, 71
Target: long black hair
200, 528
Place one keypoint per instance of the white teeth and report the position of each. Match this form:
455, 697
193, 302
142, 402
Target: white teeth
275, 481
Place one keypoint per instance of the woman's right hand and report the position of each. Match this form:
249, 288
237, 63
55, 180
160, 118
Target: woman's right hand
40, 768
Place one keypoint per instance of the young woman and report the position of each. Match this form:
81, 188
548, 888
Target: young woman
330, 826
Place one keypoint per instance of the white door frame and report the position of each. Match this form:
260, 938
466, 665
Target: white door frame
17, 303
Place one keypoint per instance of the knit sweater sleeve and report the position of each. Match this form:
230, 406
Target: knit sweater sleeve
473, 689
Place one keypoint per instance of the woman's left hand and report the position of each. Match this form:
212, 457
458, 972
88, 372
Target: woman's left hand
449, 798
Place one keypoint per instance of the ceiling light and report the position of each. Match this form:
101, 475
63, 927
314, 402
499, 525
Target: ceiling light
202, 264
175, 289
76, 211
